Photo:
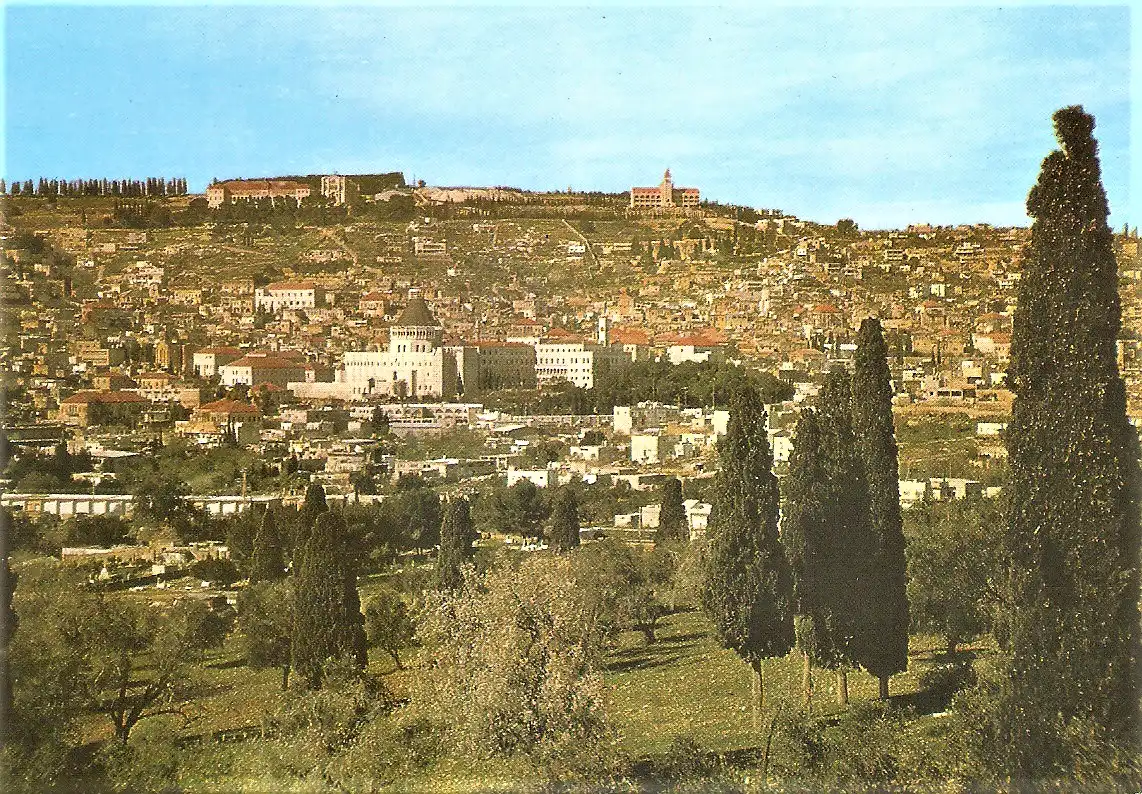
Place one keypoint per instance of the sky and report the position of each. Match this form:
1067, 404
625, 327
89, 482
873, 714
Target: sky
886, 115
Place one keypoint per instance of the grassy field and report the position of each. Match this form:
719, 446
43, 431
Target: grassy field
683, 685
687, 685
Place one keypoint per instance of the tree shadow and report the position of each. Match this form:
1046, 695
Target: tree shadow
641, 661
226, 664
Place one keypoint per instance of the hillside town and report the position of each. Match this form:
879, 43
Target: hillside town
332, 324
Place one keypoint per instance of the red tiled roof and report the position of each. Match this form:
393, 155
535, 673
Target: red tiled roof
629, 336
228, 406
562, 333
279, 286
826, 308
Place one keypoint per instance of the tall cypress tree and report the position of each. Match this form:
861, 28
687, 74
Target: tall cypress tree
267, 563
748, 592
884, 642
565, 520
826, 529
456, 537
327, 608
849, 531
313, 506
1072, 620
806, 526
672, 523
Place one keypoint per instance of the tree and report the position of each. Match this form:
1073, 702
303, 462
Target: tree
267, 563
884, 643
1072, 614
955, 568
313, 505
525, 509
805, 531
134, 660
565, 520
624, 588
672, 522
387, 623
848, 530
456, 538
512, 663
749, 586
164, 499
327, 615
416, 511
826, 531
265, 621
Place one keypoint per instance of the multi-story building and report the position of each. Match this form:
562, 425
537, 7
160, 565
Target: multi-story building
256, 368
577, 362
416, 363
209, 359
664, 196
289, 295
339, 189
249, 189
486, 365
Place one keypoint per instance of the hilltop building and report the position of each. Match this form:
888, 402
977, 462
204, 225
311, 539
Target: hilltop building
664, 196
248, 189
339, 189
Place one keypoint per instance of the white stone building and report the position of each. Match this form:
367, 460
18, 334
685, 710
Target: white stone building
416, 364
289, 295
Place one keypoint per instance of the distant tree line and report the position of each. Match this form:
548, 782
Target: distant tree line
687, 385
75, 188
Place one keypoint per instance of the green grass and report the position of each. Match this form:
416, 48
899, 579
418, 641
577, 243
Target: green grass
686, 684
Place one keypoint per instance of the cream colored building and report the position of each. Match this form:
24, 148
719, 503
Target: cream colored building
289, 295
415, 365
664, 196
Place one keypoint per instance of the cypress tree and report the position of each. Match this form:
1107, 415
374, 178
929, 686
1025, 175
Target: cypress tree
456, 537
313, 506
806, 525
672, 523
1072, 619
884, 644
565, 520
748, 592
849, 527
267, 562
327, 608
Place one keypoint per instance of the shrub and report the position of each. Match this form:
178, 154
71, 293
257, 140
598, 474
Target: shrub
511, 666
330, 718
945, 679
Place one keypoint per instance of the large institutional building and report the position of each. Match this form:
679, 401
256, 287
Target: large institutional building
416, 364
665, 196
247, 189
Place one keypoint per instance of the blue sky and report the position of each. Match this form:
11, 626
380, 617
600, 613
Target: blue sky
885, 115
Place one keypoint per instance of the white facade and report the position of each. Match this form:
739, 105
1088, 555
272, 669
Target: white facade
288, 295
578, 363
416, 365
644, 448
